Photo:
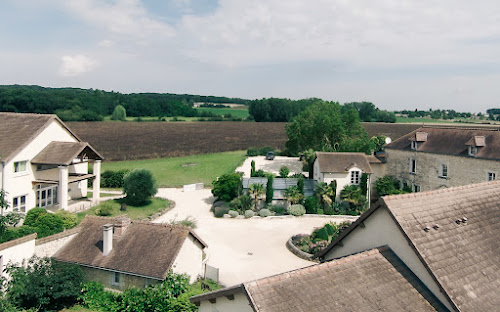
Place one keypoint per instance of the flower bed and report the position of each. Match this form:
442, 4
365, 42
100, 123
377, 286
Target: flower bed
319, 238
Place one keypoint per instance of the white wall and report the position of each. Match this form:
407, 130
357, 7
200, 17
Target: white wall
222, 304
190, 257
19, 184
17, 250
380, 229
49, 248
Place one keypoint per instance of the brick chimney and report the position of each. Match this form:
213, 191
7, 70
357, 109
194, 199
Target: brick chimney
121, 224
107, 239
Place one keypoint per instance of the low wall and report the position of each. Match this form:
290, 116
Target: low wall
48, 246
299, 253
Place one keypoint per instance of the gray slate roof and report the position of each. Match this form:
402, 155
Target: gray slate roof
456, 234
453, 141
18, 130
147, 249
374, 280
342, 162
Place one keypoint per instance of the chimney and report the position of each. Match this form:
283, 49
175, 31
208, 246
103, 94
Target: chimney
121, 225
107, 239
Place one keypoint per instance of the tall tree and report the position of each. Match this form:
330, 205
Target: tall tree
256, 190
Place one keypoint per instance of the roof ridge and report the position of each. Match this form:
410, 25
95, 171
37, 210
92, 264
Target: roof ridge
485, 127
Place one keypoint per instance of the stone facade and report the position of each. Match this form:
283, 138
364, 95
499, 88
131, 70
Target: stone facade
122, 281
460, 170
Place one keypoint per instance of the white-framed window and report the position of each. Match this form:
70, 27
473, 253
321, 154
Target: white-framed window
20, 166
355, 177
444, 170
414, 145
19, 203
416, 188
472, 151
492, 176
115, 279
413, 165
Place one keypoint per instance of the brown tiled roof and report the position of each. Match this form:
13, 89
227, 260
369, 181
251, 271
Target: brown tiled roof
454, 141
374, 280
392, 130
463, 257
341, 162
18, 130
146, 249
63, 153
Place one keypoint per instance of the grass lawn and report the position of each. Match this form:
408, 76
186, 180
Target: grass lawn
236, 112
177, 171
89, 194
133, 212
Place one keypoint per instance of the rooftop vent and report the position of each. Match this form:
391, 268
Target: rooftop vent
427, 229
436, 226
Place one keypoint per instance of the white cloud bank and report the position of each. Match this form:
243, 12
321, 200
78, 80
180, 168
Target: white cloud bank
75, 65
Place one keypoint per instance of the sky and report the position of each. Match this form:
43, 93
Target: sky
398, 54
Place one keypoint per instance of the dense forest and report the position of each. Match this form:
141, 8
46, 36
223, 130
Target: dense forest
92, 104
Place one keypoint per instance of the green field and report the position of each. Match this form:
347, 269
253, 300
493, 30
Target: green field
241, 112
430, 120
177, 171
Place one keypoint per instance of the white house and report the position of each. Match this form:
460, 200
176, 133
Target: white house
43, 163
345, 168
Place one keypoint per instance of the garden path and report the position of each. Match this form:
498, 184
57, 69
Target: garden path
243, 249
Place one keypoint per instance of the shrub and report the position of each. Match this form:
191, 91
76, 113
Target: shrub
388, 185
113, 179
241, 203
264, 213
233, 213
252, 151
296, 210
260, 173
311, 204
188, 222
139, 185
330, 229
284, 172
68, 218
320, 234
249, 213
33, 215
119, 113
220, 211
48, 224
252, 169
264, 150
44, 283
105, 209
277, 209
269, 189
227, 186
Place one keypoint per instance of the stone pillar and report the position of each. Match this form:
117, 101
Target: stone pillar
62, 191
96, 185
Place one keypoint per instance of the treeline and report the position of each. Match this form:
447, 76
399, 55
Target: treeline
434, 114
92, 104
284, 110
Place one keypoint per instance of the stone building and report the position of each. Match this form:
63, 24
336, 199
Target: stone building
440, 157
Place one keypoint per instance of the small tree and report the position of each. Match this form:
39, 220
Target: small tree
44, 283
256, 190
252, 170
139, 185
284, 172
3, 201
269, 189
325, 193
364, 183
293, 195
227, 186
119, 113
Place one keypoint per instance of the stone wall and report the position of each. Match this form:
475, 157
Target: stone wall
462, 170
48, 246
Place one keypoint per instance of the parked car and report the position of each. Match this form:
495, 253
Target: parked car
270, 156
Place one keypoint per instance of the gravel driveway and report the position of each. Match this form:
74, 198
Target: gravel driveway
243, 249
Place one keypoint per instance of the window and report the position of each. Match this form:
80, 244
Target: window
492, 176
414, 145
116, 278
19, 203
416, 188
444, 171
413, 165
20, 166
355, 177
472, 151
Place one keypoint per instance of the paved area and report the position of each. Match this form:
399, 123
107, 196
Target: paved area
243, 249
273, 166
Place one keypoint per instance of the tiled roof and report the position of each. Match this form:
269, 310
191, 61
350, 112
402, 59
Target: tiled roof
456, 231
391, 130
63, 153
341, 162
374, 280
146, 249
454, 141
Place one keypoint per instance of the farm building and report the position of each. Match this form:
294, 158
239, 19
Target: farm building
43, 163
121, 253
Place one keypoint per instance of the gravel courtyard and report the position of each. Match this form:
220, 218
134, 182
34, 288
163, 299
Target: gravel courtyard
243, 249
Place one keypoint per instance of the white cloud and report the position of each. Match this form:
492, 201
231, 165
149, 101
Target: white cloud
75, 65
106, 43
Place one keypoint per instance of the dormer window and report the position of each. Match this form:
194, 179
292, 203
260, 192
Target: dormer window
475, 143
414, 145
472, 151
